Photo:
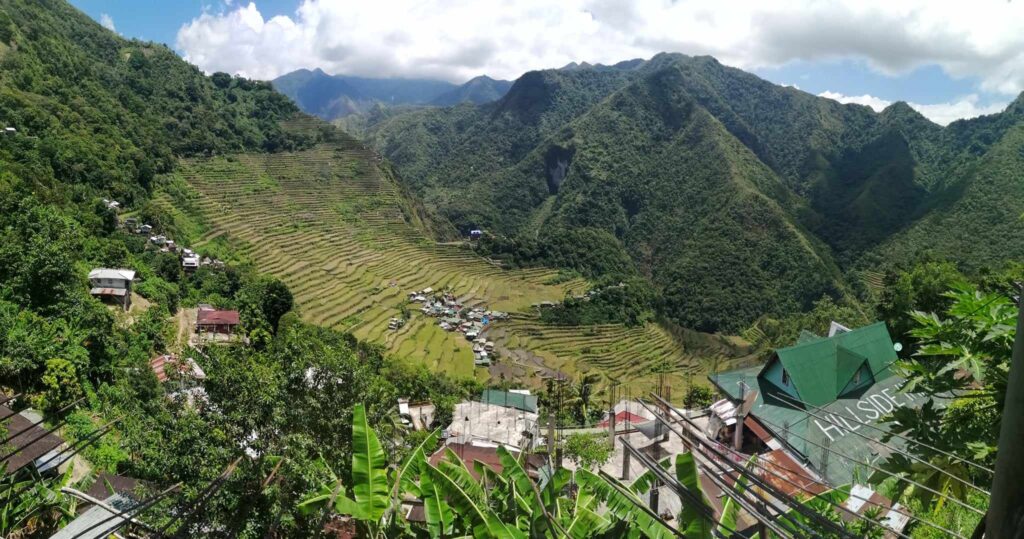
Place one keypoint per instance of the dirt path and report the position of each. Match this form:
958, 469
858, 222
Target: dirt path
185, 320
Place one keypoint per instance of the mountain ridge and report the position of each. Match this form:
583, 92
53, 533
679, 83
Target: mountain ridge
336, 96
533, 166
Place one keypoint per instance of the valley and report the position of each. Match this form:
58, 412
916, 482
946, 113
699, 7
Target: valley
332, 223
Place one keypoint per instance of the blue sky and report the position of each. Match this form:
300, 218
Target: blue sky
947, 61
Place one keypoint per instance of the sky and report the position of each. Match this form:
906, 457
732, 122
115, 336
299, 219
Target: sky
947, 59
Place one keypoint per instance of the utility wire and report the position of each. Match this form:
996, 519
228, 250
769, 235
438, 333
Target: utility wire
877, 469
213, 487
614, 484
895, 435
81, 445
706, 512
37, 423
129, 513
767, 520
894, 449
758, 463
783, 498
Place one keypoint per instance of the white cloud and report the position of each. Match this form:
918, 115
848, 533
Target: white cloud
876, 103
457, 39
940, 113
107, 22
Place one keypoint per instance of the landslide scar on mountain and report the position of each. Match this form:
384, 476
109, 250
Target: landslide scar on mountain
556, 163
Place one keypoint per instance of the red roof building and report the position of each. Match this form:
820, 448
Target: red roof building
164, 365
622, 417
470, 453
216, 321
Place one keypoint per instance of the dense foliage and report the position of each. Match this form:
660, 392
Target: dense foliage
99, 117
630, 302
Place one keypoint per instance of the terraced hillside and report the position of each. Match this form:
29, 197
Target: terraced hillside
333, 225
632, 357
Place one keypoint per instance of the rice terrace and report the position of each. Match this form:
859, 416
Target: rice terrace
332, 223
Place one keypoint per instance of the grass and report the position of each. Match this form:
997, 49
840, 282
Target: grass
330, 224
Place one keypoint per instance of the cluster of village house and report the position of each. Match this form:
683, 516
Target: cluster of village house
190, 260
800, 452
453, 315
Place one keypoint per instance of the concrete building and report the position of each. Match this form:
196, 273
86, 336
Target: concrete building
483, 423
113, 285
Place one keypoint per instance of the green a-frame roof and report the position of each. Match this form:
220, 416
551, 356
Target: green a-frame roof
820, 368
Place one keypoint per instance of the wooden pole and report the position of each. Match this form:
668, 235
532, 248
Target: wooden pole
1006, 508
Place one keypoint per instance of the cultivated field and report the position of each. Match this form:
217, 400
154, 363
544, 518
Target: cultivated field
632, 357
334, 226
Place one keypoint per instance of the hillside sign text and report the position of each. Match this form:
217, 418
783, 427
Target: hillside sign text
866, 410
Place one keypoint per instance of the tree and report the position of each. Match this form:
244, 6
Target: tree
60, 385
588, 450
922, 288
698, 397
264, 300
964, 354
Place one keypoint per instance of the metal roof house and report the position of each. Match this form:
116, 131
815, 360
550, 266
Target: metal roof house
112, 284
511, 399
817, 396
216, 321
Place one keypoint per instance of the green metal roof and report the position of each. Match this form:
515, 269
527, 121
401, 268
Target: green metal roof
820, 369
809, 432
519, 401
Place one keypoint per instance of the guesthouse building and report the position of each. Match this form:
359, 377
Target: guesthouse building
818, 399
112, 285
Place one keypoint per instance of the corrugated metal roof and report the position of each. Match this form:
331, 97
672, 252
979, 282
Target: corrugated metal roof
820, 369
92, 518
527, 403
108, 273
31, 444
98, 291
805, 434
217, 317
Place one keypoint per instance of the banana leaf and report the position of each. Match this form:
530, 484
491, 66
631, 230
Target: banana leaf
369, 469
482, 520
694, 523
623, 504
439, 516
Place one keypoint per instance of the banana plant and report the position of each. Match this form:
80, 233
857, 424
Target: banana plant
371, 505
34, 505
505, 505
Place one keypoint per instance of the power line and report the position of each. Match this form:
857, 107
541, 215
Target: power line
614, 484
893, 434
757, 481
132, 511
214, 486
877, 469
706, 512
901, 452
36, 424
757, 462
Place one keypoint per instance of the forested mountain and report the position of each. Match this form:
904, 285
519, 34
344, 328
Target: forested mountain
93, 116
336, 96
733, 196
482, 89
97, 116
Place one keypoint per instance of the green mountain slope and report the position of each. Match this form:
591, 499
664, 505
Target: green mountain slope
97, 116
732, 195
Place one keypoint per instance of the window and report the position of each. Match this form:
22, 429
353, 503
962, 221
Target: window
785, 377
856, 377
